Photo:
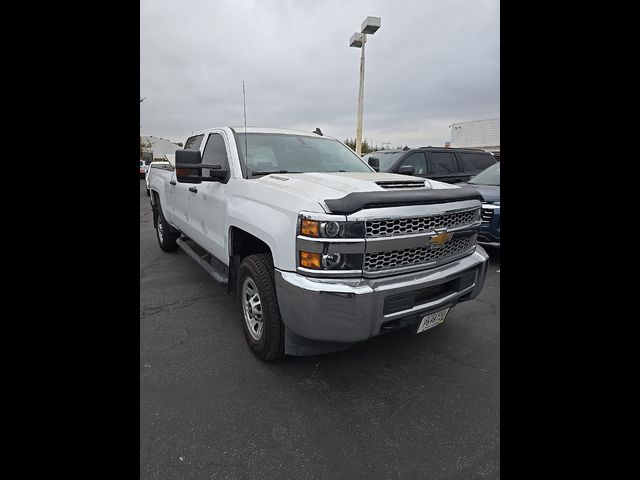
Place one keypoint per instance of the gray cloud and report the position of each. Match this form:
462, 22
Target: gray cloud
431, 63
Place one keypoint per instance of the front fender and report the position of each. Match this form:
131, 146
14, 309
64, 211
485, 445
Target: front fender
270, 214
275, 227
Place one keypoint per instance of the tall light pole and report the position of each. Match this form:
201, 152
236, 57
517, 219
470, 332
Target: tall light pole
358, 40
142, 99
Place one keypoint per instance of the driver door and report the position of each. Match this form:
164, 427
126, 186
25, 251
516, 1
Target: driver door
207, 204
180, 194
418, 162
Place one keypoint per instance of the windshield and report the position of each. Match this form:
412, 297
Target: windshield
387, 160
490, 176
141, 162
284, 153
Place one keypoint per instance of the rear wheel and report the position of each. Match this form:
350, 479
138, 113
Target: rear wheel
262, 325
167, 235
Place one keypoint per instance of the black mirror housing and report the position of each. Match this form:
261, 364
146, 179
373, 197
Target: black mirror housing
216, 173
186, 157
189, 168
374, 162
407, 170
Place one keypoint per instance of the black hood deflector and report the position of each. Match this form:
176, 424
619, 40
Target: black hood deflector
356, 201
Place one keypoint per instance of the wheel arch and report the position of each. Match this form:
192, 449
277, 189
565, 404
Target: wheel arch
242, 244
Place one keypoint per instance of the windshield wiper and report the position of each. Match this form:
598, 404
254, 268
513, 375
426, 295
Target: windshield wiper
256, 174
445, 166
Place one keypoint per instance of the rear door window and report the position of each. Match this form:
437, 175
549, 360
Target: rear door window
443, 163
193, 143
476, 162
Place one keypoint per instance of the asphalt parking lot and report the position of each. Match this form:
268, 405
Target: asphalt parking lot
398, 406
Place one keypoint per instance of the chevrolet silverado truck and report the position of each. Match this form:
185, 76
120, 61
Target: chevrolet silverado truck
322, 251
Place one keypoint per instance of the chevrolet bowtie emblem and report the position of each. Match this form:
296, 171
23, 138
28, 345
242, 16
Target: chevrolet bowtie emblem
440, 238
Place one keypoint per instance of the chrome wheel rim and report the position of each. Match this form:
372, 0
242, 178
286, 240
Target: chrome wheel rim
160, 230
252, 308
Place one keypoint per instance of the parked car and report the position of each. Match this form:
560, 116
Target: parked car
496, 155
169, 159
450, 165
322, 251
143, 169
488, 184
146, 179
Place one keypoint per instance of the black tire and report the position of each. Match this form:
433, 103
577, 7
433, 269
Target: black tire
165, 233
259, 270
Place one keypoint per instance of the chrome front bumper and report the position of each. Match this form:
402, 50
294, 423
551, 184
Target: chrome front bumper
353, 310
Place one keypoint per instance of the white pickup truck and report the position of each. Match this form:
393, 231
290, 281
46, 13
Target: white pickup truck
322, 250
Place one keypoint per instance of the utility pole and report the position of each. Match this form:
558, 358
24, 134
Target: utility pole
358, 40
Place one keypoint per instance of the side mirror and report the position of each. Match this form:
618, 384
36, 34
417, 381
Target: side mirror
190, 169
374, 162
407, 170
187, 166
216, 173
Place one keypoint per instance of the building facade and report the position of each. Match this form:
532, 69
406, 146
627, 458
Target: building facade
159, 146
481, 134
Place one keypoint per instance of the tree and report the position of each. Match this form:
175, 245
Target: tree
365, 147
145, 146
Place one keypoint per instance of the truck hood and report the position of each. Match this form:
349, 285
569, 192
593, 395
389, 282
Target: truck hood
333, 185
323, 186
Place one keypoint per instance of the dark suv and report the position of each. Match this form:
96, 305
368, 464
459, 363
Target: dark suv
450, 165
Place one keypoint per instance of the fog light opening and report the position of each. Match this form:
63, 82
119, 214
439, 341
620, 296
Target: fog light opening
332, 261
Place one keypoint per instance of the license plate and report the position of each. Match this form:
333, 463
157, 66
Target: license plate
433, 319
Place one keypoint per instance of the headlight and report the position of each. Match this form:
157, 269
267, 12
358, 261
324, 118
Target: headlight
329, 245
491, 206
330, 261
331, 229
309, 228
311, 260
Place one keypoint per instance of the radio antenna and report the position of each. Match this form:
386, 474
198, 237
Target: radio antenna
244, 107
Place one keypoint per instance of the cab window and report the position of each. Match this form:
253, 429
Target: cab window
417, 161
193, 143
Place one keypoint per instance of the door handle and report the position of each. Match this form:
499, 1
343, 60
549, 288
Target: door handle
172, 182
193, 189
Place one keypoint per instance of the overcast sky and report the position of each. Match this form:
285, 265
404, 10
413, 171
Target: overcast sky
432, 63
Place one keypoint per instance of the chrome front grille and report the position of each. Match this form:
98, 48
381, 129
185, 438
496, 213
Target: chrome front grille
379, 261
406, 226
486, 215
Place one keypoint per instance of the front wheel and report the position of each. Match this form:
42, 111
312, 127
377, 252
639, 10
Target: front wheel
262, 325
167, 235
